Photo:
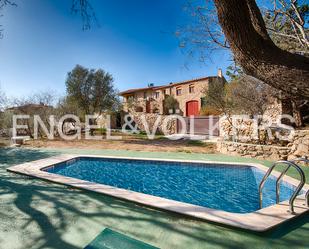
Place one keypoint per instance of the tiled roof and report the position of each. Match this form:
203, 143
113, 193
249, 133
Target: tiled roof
136, 90
164, 86
28, 106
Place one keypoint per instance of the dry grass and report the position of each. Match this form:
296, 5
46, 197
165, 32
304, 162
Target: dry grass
129, 142
4, 142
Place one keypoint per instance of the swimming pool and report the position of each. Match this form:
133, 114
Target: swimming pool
232, 188
224, 193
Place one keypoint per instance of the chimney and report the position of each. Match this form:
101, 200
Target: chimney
220, 73
151, 85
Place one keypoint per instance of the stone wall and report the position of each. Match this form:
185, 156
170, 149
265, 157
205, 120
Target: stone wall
246, 126
268, 152
4, 132
166, 124
298, 147
150, 118
228, 129
155, 96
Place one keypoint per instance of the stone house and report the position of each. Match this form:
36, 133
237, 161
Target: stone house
188, 94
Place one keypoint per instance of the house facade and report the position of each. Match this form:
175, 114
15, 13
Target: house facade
187, 97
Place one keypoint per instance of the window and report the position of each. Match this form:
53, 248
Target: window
166, 92
191, 88
155, 110
145, 95
203, 102
139, 109
178, 91
157, 95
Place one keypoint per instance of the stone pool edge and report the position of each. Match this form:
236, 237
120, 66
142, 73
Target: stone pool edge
258, 221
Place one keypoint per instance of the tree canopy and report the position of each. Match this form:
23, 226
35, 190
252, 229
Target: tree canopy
92, 90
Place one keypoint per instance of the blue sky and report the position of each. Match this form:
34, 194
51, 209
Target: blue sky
135, 43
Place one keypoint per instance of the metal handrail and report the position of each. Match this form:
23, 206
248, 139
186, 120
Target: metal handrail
278, 183
296, 192
304, 159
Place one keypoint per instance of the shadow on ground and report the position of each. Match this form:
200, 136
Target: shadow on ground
37, 214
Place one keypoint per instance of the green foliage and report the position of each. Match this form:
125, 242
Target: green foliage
217, 97
102, 131
92, 90
198, 143
284, 25
170, 104
6, 118
67, 105
250, 96
246, 95
233, 72
209, 111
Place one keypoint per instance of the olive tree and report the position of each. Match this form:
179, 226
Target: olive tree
92, 90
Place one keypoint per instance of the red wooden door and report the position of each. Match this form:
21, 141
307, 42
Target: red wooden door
192, 108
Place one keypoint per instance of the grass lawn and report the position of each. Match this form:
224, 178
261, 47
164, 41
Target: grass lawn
37, 214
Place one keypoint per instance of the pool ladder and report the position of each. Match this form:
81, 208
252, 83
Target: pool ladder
297, 190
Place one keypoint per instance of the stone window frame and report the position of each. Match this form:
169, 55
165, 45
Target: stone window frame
191, 88
156, 94
178, 91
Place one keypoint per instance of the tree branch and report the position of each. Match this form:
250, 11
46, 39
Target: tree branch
86, 11
257, 19
259, 56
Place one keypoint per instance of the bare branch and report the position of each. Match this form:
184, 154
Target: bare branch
283, 34
86, 11
4, 3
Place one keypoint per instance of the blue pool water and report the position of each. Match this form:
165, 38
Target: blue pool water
231, 188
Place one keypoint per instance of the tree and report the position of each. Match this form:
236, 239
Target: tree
246, 96
234, 72
217, 97
92, 90
243, 31
286, 25
257, 54
251, 96
40, 103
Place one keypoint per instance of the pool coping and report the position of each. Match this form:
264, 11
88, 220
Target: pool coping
258, 221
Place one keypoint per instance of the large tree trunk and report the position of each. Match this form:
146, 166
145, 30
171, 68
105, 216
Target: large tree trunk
244, 28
